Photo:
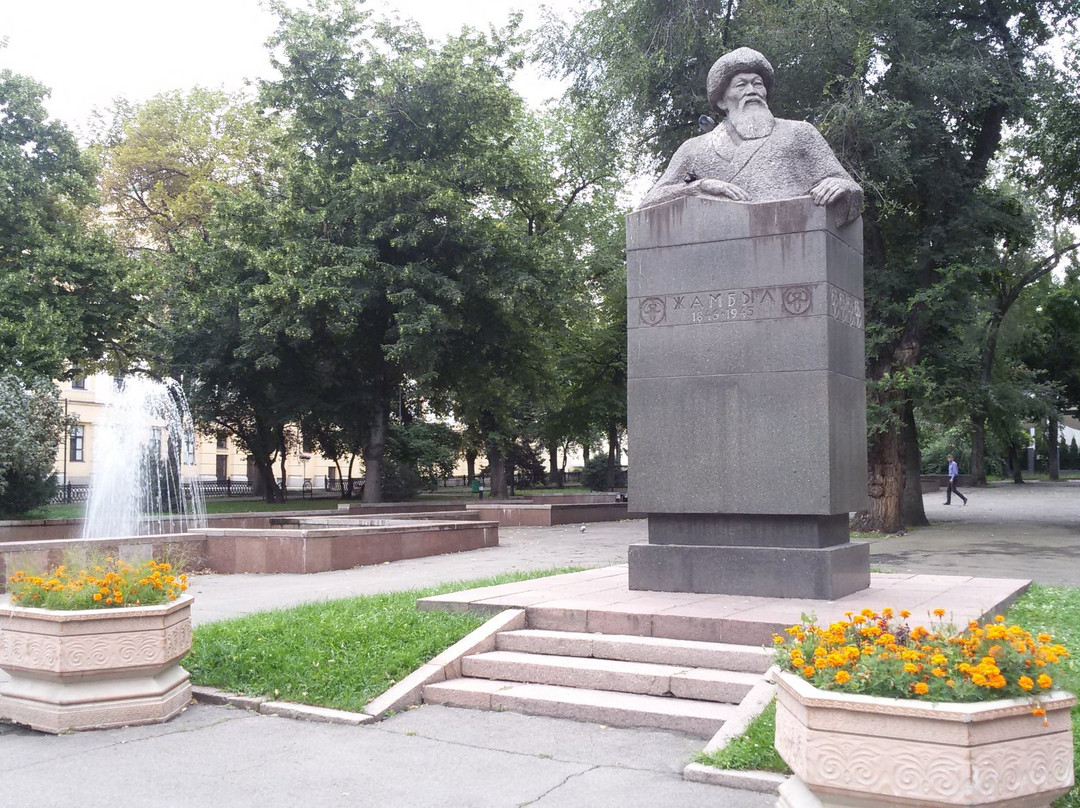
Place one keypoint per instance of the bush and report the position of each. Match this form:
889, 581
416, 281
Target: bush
32, 423
400, 481
594, 475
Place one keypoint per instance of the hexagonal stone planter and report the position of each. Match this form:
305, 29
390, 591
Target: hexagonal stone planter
867, 752
94, 669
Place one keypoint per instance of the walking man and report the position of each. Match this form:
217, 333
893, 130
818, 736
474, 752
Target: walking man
954, 472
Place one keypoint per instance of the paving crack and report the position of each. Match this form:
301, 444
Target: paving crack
559, 785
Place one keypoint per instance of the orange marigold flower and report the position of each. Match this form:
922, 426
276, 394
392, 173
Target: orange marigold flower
1025, 682
939, 612
842, 677
809, 671
1045, 682
904, 613
921, 688
999, 618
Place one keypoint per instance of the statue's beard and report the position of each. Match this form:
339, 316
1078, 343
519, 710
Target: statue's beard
751, 120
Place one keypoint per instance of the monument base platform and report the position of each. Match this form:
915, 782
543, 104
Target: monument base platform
778, 572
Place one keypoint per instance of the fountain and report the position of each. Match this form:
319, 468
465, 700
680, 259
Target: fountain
143, 504
139, 485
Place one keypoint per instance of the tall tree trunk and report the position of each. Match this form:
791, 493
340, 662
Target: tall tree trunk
1014, 465
612, 454
886, 485
978, 450
913, 514
1053, 458
267, 480
553, 461
497, 469
470, 465
282, 457
374, 448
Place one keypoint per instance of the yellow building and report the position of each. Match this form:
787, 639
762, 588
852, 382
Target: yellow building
215, 460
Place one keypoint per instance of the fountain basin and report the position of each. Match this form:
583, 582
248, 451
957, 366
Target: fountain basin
525, 514
320, 549
299, 549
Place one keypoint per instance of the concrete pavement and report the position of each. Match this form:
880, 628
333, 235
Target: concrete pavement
434, 756
1005, 531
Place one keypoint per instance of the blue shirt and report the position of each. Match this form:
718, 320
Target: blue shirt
953, 470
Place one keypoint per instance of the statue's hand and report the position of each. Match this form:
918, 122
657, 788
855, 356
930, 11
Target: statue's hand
721, 188
829, 190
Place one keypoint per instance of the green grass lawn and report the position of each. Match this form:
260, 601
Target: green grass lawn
339, 653
76, 510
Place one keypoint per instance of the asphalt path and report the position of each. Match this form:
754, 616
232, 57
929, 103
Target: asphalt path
1005, 531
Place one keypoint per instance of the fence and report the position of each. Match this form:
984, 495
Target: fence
226, 488
80, 492
569, 478
72, 492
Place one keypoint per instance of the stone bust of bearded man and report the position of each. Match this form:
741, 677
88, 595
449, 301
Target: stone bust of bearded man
752, 156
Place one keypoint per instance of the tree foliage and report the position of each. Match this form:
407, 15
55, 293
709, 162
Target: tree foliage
32, 424
63, 298
914, 97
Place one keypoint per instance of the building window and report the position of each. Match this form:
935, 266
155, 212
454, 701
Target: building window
222, 468
79, 383
75, 450
222, 442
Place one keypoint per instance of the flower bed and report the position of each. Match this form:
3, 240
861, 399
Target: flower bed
95, 648
872, 712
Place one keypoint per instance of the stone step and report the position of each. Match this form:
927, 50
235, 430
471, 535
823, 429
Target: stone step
631, 648
699, 718
647, 678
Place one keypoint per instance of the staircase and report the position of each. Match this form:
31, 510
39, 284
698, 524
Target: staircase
619, 680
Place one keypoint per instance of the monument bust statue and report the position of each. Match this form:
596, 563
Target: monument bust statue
752, 156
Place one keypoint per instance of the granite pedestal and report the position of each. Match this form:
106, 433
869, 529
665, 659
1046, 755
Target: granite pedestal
746, 396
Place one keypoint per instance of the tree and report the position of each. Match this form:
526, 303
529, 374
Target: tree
243, 373
64, 302
165, 160
32, 423
425, 213
1054, 353
913, 97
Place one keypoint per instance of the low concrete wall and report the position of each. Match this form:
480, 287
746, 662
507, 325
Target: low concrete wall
187, 551
270, 550
385, 508
308, 550
514, 515
49, 529
367, 521
39, 529
576, 499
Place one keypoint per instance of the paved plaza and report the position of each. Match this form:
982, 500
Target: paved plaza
436, 756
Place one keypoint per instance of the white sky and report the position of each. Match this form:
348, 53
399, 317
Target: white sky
89, 52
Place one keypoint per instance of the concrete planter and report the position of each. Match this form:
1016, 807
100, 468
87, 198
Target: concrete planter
867, 752
94, 669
